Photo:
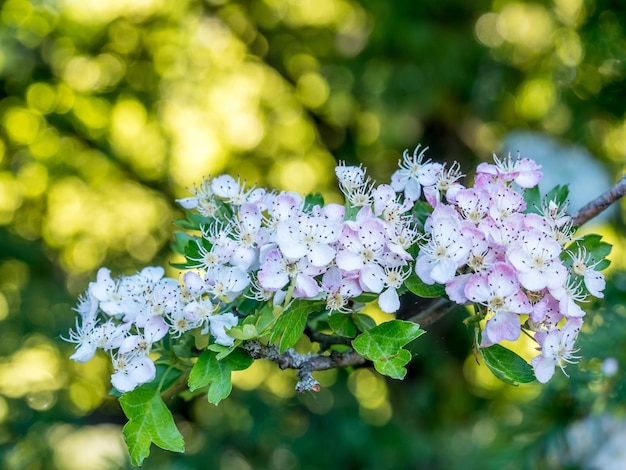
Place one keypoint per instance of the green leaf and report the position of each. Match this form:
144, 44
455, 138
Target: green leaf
208, 370
181, 239
312, 200
342, 325
243, 332
363, 322
532, 196
393, 366
421, 289
507, 366
290, 325
149, 421
383, 346
421, 211
558, 194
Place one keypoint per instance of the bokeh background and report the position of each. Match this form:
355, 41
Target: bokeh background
111, 109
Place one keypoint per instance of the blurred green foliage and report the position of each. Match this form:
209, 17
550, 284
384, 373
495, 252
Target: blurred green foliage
110, 109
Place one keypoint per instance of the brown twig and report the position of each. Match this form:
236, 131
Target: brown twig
600, 203
433, 312
306, 364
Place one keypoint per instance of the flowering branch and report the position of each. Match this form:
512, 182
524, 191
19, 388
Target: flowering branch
601, 203
306, 364
264, 269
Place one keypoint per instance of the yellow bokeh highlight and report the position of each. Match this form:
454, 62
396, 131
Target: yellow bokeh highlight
312, 90
297, 175
614, 141
33, 178
128, 117
569, 48
370, 390
570, 12
486, 30
4, 307
42, 97
535, 98
97, 447
11, 197
32, 369
527, 25
22, 125
97, 12
92, 112
4, 410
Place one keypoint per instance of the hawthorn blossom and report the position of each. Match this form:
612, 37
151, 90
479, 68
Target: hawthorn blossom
234, 191
414, 174
226, 282
276, 272
355, 185
536, 258
131, 371
389, 301
446, 184
105, 290
203, 200
557, 349
309, 236
339, 287
525, 172
362, 247
582, 265
500, 292
446, 250
568, 294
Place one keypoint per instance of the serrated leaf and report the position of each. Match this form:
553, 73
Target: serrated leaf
393, 366
383, 344
421, 289
149, 421
208, 370
363, 322
181, 239
507, 365
532, 196
290, 325
342, 325
266, 317
558, 194
243, 332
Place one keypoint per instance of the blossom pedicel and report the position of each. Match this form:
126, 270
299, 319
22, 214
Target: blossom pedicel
516, 261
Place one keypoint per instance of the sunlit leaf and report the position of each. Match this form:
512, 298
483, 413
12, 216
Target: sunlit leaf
149, 421
421, 289
507, 365
383, 346
290, 325
208, 370
342, 325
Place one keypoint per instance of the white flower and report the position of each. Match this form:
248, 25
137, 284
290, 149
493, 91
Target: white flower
131, 371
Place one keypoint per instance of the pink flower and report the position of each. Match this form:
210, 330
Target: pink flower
500, 292
414, 173
447, 249
536, 258
557, 348
310, 237
525, 172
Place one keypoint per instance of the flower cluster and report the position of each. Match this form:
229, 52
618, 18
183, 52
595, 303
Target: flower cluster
274, 247
127, 316
515, 265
